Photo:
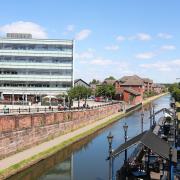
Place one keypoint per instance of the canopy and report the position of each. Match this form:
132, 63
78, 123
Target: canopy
151, 141
50, 97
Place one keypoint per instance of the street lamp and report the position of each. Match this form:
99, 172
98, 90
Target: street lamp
142, 119
150, 111
153, 106
170, 161
125, 127
161, 168
110, 158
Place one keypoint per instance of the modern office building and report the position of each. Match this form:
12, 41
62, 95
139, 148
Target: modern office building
34, 67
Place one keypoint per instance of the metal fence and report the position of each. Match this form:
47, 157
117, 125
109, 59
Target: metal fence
25, 110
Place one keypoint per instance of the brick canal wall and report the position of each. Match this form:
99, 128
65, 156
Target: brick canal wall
21, 131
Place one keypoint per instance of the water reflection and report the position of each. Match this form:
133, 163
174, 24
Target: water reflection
57, 166
85, 160
60, 171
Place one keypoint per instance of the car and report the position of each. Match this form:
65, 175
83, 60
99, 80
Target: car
100, 99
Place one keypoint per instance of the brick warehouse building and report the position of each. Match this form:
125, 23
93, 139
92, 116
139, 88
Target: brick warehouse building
130, 89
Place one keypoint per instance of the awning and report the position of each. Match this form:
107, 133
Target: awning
50, 97
151, 141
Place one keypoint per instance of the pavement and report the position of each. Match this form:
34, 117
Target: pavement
14, 109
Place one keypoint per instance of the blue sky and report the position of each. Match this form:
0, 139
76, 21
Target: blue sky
112, 37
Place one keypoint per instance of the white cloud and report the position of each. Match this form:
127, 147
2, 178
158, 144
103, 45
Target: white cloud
164, 36
157, 66
85, 55
36, 30
168, 47
145, 55
101, 61
120, 38
83, 34
141, 37
112, 48
176, 62
150, 55
163, 66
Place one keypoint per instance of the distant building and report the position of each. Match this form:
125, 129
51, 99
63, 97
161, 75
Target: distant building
148, 84
80, 82
30, 68
130, 89
158, 88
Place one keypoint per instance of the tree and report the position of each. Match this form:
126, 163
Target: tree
94, 81
174, 86
176, 94
106, 90
79, 92
110, 78
174, 89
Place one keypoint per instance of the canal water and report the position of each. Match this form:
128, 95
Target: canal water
86, 160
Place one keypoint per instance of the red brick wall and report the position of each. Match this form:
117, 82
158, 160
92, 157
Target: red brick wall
135, 100
19, 131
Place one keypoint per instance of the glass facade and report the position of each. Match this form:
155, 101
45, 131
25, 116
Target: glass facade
35, 66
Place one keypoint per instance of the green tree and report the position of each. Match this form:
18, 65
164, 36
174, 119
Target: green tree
174, 89
174, 86
95, 81
106, 90
176, 94
79, 92
110, 78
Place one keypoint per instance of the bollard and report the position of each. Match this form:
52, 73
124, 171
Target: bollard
29, 109
19, 110
45, 109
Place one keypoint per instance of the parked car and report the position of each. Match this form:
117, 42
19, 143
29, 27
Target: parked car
100, 99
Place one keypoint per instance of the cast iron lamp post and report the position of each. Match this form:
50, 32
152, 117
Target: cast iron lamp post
142, 119
170, 161
150, 111
110, 158
153, 107
125, 127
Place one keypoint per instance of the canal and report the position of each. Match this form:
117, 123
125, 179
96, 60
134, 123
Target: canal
85, 160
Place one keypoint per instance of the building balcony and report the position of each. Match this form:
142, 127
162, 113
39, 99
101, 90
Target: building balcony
14, 65
32, 90
36, 53
35, 78
37, 41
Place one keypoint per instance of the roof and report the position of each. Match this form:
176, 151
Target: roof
151, 141
108, 81
148, 80
132, 91
124, 78
131, 81
76, 80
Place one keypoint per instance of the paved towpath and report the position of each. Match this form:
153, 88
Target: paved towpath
18, 157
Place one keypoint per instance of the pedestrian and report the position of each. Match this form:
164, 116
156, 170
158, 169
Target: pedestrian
5, 109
